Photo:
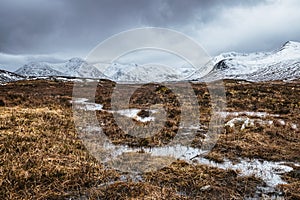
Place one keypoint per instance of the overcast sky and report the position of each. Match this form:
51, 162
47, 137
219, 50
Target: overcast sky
54, 30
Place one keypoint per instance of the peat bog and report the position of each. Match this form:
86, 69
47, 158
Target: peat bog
42, 157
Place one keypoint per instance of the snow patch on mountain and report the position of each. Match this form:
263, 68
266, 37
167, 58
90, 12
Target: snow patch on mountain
142, 73
75, 67
38, 69
281, 64
6, 76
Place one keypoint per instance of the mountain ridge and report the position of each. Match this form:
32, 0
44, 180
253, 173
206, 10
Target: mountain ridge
259, 66
6, 76
279, 64
74, 67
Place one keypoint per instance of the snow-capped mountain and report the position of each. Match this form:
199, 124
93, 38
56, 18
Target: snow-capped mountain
143, 73
6, 76
281, 64
75, 67
38, 69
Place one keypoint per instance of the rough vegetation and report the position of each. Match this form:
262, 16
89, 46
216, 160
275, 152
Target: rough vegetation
41, 156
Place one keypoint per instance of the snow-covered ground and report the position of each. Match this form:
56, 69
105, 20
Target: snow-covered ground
247, 113
248, 119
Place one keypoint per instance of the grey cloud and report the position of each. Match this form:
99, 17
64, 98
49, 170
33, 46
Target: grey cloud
40, 26
177, 12
25, 25
12, 62
73, 27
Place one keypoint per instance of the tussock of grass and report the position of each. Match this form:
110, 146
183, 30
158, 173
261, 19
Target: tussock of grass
42, 158
292, 190
262, 141
133, 190
201, 182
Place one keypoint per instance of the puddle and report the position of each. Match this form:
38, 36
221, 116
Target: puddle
133, 113
269, 172
82, 103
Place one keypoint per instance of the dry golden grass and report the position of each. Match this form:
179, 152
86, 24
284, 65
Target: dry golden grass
268, 142
41, 156
292, 190
203, 182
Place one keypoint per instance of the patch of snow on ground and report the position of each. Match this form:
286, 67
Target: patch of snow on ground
248, 113
246, 122
282, 122
294, 126
133, 113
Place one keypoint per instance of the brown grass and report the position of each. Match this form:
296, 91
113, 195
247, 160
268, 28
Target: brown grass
202, 182
41, 156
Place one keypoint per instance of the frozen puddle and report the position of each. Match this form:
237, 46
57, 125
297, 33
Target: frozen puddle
133, 113
269, 172
82, 103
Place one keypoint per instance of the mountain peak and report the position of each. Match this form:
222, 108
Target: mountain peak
289, 48
76, 60
6, 76
291, 44
279, 64
75, 67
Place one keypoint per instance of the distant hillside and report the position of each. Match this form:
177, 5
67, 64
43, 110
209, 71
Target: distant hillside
280, 64
6, 76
